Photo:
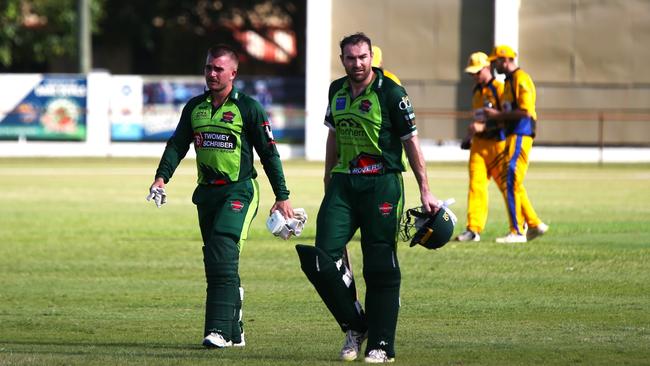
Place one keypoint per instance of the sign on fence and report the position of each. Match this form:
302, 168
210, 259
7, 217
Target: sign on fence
49, 107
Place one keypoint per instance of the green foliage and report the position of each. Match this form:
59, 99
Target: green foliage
92, 274
37, 30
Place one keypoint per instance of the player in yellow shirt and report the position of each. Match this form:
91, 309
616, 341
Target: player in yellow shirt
377, 61
518, 117
486, 142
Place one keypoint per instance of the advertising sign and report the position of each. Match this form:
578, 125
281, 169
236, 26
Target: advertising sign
126, 108
51, 107
282, 98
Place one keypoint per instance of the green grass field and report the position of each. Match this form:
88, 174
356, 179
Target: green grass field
92, 274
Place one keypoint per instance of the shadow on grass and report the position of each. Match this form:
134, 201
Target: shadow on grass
119, 350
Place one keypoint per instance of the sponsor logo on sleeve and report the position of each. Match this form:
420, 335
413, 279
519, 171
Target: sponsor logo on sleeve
407, 110
405, 103
269, 132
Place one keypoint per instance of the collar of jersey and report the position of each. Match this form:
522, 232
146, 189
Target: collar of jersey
234, 95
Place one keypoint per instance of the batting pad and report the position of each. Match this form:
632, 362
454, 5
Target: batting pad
322, 272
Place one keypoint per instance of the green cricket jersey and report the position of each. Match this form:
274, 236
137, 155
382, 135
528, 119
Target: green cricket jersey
224, 139
370, 129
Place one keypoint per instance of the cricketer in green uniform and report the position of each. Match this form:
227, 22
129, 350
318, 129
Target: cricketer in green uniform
224, 125
371, 123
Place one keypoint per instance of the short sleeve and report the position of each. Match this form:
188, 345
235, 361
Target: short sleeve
526, 94
401, 113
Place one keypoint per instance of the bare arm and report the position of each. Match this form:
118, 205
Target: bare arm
416, 161
330, 156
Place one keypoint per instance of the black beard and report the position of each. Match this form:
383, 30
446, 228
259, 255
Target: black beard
352, 75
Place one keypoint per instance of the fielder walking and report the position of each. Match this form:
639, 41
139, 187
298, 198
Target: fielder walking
225, 126
518, 117
371, 123
486, 142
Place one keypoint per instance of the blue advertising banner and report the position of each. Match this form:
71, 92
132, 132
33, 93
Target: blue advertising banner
46, 108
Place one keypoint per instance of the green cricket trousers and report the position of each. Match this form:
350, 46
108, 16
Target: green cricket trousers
225, 213
374, 205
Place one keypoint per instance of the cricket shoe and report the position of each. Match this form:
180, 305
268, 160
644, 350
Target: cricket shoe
468, 235
537, 231
241, 343
378, 356
216, 340
352, 344
512, 238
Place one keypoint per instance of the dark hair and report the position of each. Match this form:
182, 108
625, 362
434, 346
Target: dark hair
356, 38
223, 49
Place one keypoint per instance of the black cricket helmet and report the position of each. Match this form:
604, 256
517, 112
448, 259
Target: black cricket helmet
430, 231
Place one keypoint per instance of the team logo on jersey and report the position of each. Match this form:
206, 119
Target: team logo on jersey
236, 206
385, 209
227, 117
367, 164
340, 103
365, 106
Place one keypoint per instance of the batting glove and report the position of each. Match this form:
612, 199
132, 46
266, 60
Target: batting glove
278, 225
446, 203
159, 196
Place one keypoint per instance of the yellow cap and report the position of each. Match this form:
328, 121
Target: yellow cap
476, 62
502, 51
376, 56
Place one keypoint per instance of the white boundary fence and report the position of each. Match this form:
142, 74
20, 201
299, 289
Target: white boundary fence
98, 137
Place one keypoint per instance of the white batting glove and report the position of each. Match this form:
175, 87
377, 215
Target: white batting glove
446, 203
159, 196
275, 223
295, 226
297, 223
284, 228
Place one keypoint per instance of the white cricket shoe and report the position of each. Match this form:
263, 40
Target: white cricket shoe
378, 356
216, 340
512, 238
352, 344
242, 343
468, 235
537, 231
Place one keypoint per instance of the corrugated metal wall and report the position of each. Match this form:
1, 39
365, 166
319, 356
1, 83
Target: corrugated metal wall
585, 56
